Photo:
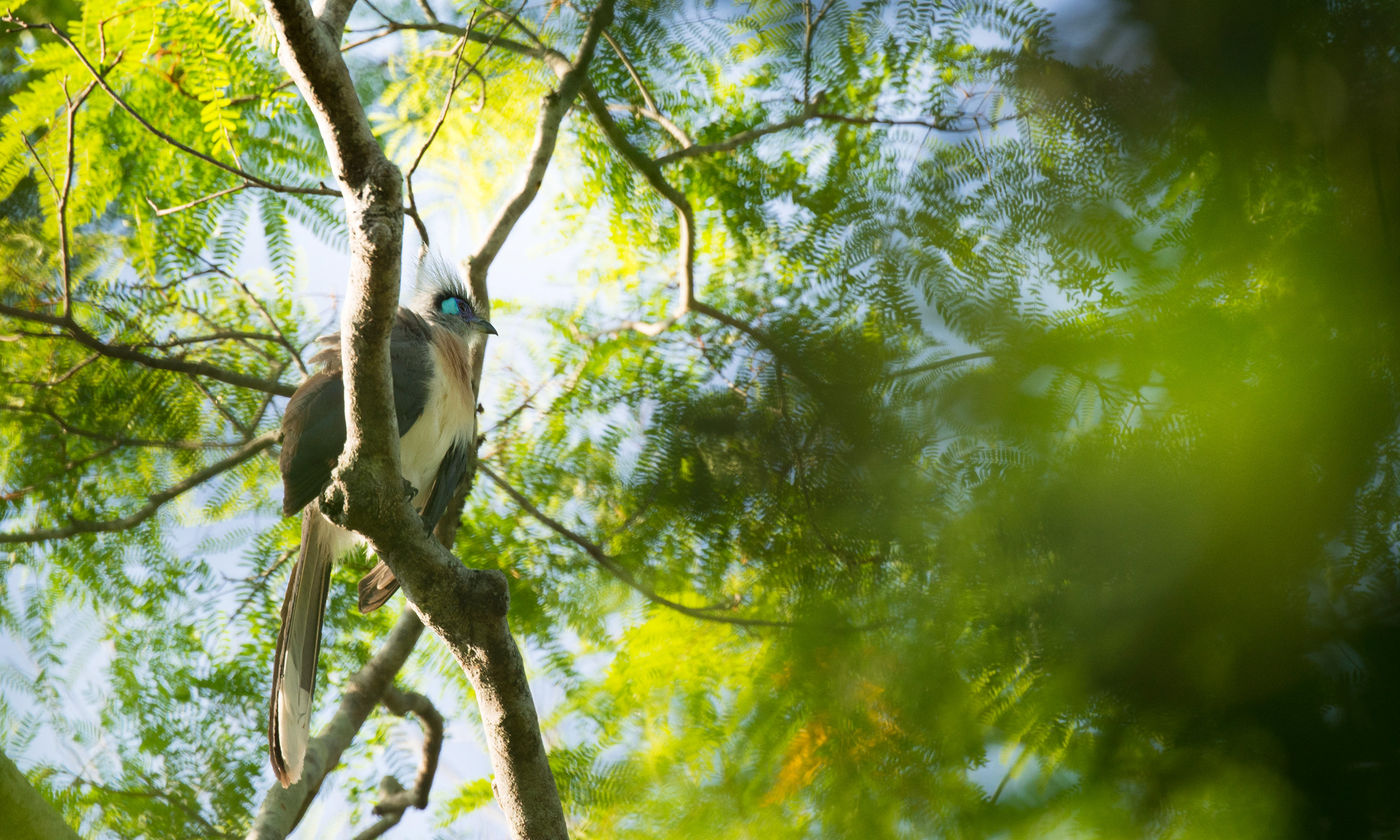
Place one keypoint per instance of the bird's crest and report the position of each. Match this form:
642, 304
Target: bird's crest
439, 279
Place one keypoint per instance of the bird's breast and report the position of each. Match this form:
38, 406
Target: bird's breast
449, 414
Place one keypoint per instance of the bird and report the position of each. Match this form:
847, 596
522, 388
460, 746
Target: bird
435, 349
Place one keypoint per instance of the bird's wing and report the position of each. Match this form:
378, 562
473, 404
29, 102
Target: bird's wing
313, 426
313, 434
411, 360
450, 472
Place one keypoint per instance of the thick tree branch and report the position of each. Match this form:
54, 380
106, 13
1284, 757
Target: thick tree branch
72, 329
333, 14
153, 503
27, 813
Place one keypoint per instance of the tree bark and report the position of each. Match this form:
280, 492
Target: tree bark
28, 815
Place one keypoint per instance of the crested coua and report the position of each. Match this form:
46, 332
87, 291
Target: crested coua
435, 350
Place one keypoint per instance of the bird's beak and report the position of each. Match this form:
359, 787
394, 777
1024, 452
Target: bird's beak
485, 326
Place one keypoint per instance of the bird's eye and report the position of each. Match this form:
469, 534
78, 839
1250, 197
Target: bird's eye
453, 306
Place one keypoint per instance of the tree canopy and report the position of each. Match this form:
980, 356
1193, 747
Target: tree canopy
945, 418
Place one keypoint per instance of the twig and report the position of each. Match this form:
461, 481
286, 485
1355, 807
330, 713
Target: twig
393, 799
437, 126
248, 177
128, 353
656, 117
153, 503
219, 406
609, 564
939, 364
651, 112
749, 135
427, 10
67, 374
166, 211
153, 792
686, 300
67, 468
257, 302
572, 78
733, 141
119, 440
653, 175
222, 335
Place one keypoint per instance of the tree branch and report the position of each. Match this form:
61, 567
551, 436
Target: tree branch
556, 104
437, 126
732, 142
650, 111
333, 14
944, 124
64, 254
100, 78
656, 117
653, 175
120, 440
257, 302
153, 503
466, 608
282, 808
167, 211
939, 364
609, 564
27, 812
393, 799
128, 353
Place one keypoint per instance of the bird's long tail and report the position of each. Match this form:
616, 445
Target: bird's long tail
299, 644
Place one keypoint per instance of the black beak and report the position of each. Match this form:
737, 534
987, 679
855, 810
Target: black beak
485, 326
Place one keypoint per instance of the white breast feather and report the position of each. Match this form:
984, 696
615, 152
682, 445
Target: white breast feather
449, 415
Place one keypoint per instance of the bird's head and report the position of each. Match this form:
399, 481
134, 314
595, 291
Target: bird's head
443, 299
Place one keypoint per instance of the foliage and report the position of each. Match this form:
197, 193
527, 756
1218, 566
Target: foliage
1024, 464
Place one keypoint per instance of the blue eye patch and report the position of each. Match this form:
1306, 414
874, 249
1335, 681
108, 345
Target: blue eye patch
451, 306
